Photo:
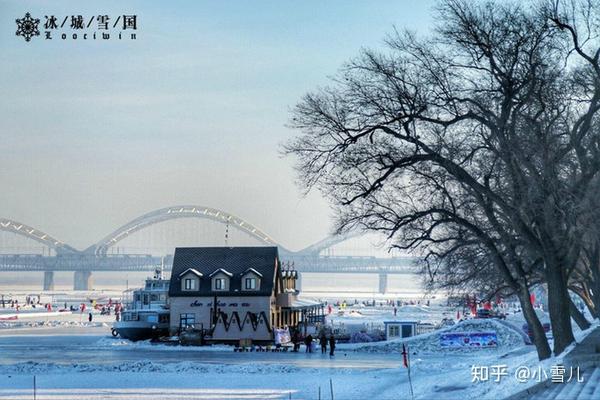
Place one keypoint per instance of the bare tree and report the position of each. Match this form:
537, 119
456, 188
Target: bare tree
473, 139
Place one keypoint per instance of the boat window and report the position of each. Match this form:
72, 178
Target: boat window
163, 318
130, 317
187, 320
154, 297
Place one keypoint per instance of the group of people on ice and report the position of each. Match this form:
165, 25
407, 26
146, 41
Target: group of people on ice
310, 343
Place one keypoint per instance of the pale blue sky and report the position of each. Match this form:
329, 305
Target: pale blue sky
93, 134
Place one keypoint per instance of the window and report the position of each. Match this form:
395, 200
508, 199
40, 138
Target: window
130, 316
250, 284
394, 330
190, 284
187, 320
220, 284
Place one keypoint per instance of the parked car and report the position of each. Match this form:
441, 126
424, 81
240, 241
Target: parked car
485, 313
529, 331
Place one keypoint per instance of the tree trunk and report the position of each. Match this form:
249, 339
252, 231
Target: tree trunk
578, 316
594, 290
558, 307
539, 336
586, 297
592, 286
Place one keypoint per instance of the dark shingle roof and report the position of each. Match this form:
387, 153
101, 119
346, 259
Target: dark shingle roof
235, 260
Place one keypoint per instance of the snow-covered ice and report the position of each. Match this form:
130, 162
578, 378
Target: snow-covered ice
74, 359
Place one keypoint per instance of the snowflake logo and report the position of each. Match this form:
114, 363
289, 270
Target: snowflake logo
27, 27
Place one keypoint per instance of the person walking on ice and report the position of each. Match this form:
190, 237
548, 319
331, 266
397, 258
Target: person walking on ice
308, 342
323, 342
331, 345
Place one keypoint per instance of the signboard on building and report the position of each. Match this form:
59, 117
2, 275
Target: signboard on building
282, 336
469, 339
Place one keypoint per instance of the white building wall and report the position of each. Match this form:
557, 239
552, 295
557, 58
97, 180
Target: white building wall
199, 306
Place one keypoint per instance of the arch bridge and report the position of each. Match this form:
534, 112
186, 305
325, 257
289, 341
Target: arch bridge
97, 258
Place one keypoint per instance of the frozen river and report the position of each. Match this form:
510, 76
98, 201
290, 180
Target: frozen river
99, 349
87, 363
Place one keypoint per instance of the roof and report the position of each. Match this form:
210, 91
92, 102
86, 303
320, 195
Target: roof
252, 270
305, 303
193, 271
221, 270
235, 260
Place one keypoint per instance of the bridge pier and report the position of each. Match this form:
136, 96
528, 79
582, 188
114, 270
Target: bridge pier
48, 280
383, 283
82, 280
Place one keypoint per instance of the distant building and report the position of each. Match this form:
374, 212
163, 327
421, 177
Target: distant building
235, 293
400, 329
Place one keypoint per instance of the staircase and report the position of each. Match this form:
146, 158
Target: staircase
589, 389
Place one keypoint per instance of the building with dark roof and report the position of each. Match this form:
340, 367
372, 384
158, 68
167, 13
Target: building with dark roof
235, 293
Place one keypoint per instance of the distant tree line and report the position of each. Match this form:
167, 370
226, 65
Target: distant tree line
477, 147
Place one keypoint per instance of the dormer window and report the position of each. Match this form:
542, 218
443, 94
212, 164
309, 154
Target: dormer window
189, 284
220, 279
190, 279
250, 283
251, 279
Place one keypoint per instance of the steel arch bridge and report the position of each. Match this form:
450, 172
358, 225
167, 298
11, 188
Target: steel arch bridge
96, 257
28, 232
169, 213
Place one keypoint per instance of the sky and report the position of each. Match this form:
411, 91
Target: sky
95, 133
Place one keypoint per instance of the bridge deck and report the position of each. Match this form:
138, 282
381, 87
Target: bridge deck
145, 262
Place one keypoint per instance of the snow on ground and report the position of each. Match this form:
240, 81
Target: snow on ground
508, 339
50, 324
124, 344
37, 368
212, 385
436, 372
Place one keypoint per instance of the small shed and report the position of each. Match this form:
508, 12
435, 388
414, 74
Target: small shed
400, 329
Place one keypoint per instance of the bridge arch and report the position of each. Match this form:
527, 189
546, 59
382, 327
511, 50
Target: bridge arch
174, 212
9, 225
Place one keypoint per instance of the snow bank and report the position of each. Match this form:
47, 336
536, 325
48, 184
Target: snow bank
50, 324
117, 343
33, 314
415, 309
32, 367
508, 338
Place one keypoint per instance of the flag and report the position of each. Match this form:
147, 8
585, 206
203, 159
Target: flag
404, 356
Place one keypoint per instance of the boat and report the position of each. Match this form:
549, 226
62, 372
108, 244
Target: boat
146, 313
